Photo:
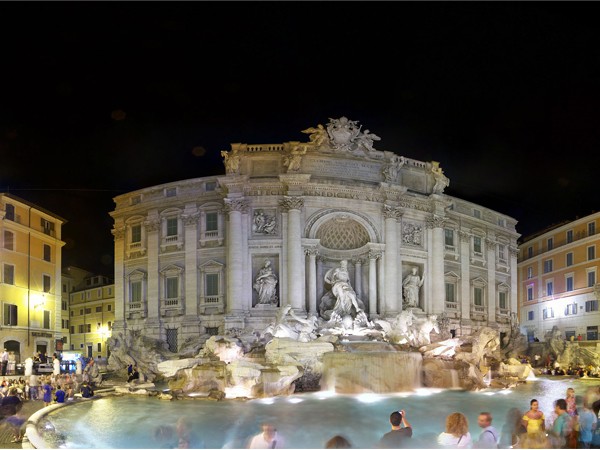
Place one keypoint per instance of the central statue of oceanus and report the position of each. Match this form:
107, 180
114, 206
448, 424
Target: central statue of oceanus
340, 306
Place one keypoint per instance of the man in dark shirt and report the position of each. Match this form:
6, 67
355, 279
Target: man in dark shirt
86, 391
400, 434
60, 395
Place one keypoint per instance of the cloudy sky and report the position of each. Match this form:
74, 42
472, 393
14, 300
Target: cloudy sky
101, 98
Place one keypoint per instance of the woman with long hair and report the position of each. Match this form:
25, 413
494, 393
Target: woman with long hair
457, 432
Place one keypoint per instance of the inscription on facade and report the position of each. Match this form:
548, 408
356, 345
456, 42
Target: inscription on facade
333, 167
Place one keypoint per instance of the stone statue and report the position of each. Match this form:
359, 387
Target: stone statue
318, 136
342, 133
365, 141
441, 181
293, 160
231, 161
28, 367
423, 329
288, 325
347, 309
399, 331
265, 285
392, 169
411, 285
262, 223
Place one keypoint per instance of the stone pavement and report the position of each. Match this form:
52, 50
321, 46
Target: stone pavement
6, 435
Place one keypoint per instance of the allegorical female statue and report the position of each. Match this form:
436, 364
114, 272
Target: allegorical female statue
411, 284
265, 285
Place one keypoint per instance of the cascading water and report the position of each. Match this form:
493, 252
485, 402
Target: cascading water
368, 369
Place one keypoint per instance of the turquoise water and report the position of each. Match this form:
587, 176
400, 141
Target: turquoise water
304, 420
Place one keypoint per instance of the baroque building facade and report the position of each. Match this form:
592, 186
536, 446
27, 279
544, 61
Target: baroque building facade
30, 287
206, 255
558, 280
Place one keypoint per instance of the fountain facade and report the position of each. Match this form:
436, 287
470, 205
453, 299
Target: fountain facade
213, 255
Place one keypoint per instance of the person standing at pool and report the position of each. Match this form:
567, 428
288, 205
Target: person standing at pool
561, 428
587, 422
47, 388
489, 437
400, 434
571, 402
269, 438
534, 419
457, 432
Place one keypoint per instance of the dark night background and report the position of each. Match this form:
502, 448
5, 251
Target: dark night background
98, 99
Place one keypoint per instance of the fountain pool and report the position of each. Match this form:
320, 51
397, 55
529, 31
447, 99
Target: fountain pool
304, 420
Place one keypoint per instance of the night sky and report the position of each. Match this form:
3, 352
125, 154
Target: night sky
101, 98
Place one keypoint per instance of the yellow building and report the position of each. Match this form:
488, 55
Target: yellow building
558, 280
72, 279
91, 316
30, 292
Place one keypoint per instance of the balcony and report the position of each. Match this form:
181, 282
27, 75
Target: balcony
170, 307
135, 248
136, 310
478, 312
171, 242
452, 309
212, 236
211, 304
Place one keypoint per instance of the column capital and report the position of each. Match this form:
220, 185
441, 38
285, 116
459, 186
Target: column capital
436, 221
311, 251
118, 233
357, 261
374, 254
289, 203
392, 212
491, 244
190, 219
514, 251
236, 204
152, 225
464, 236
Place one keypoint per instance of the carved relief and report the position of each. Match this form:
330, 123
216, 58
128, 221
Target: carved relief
412, 234
464, 236
263, 223
292, 203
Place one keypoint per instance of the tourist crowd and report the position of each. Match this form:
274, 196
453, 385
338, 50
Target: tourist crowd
574, 423
47, 388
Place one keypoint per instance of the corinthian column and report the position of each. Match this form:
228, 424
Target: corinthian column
392, 304
373, 256
491, 279
438, 292
295, 282
235, 207
312, 279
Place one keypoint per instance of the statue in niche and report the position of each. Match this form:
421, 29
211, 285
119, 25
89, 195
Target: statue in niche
231, 161
392, 169
262, 223
410, 286
441, 180
265, 285
318, 136
365, 141
293, 160
348, 310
